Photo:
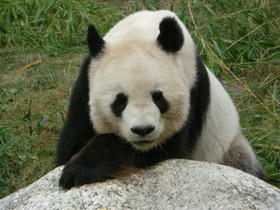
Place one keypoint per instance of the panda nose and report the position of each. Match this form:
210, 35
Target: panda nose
143, 131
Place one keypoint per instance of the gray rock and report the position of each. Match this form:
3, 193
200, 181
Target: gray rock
174, 184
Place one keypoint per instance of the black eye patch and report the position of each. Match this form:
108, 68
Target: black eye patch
160, 101
119, 104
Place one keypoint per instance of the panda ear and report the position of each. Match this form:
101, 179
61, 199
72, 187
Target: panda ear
171, 37
95, 41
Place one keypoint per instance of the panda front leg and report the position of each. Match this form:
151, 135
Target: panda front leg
100, 160
78, 129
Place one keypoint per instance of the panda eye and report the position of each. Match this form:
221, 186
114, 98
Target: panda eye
157, 95
160, 101
121, 98
119, 104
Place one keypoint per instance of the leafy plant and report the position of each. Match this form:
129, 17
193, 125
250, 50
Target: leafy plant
53, 26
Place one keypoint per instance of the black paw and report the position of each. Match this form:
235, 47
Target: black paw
74, 175
77, 175
97, 162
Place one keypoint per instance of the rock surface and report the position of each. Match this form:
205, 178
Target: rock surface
174, 184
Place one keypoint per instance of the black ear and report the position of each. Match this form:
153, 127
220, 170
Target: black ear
171, 37
95, 41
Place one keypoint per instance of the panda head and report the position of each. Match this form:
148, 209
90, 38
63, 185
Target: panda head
138, 89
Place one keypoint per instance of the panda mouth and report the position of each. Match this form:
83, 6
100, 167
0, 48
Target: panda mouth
142, 142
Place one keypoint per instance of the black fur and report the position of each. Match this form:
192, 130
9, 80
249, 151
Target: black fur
171, 37
160, 101
107, 154
78, 129
97, 162
95, 41
119, 104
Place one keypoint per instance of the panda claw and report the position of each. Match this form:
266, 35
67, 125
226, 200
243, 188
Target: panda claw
75, 175
65, 182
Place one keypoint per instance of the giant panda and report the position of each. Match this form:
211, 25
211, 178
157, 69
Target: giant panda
142, 96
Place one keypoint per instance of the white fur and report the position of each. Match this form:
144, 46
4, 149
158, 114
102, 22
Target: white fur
133, 64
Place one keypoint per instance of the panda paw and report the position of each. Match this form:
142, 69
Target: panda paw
74, 175
77, 175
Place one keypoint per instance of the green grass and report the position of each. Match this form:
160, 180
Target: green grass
51, 26
245, 35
